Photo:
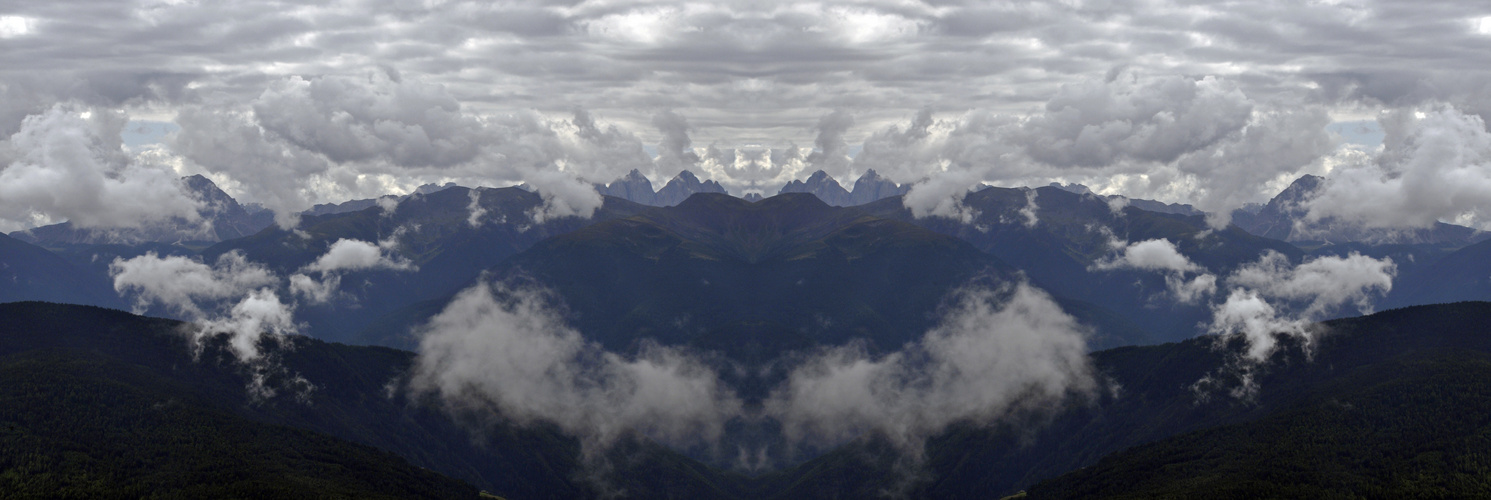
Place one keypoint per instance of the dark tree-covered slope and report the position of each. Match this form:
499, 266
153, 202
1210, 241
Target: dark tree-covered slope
139, 400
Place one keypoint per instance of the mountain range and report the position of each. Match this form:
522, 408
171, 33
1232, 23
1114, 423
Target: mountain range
752, 287
1356, 402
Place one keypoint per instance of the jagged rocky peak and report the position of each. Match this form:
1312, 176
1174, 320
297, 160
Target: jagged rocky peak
633, 187
872, 187
820, 184
684, 185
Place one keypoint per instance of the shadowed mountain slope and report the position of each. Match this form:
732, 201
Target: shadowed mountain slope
30, 272
1398, 394
433, 231
757, 279
178, 421
1069, 236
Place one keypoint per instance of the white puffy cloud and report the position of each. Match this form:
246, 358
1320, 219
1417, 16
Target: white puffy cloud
1154, 135
182, 284
233, 298
67, 164
1128, 117
1158, 254
1324, 283
1272, 296
508, 356
342, 256
1161, 255
381, 116
356, 255
982, 364
1434, 167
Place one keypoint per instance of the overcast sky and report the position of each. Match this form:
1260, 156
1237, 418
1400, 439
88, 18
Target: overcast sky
1212, 103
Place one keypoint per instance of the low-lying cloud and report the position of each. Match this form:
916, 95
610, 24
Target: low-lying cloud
1271, 296
988, 360
1435, 165
66, 164
1161, 255
506, 355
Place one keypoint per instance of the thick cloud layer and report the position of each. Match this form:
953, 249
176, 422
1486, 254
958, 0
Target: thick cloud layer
1158, 136
1271, 296
1202, 102
66, 164
1434, 167
505, 355
984, 363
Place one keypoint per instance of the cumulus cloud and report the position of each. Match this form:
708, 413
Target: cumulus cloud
505, 355
380, 116
356, 255
183, 284
1321, 284
234, 299
1128, 117
67, 164
1435, 165
985, 362
303, 141
1271, 296
343, 256
1161, 255
1166, 136
675, 153
831, 149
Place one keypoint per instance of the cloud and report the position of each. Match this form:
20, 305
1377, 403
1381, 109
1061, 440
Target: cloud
1434, 167
303, 141
1167, 136
505, 355
1161, 255
67, 164
1029, 210
674, 151
345, 255
1098, 123
381, 116
982, 364
831, 149
1323, 283
1158, 254
1271, 296
356, 255
233, 299
182, 284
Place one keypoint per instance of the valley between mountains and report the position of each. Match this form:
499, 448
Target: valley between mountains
820, 343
